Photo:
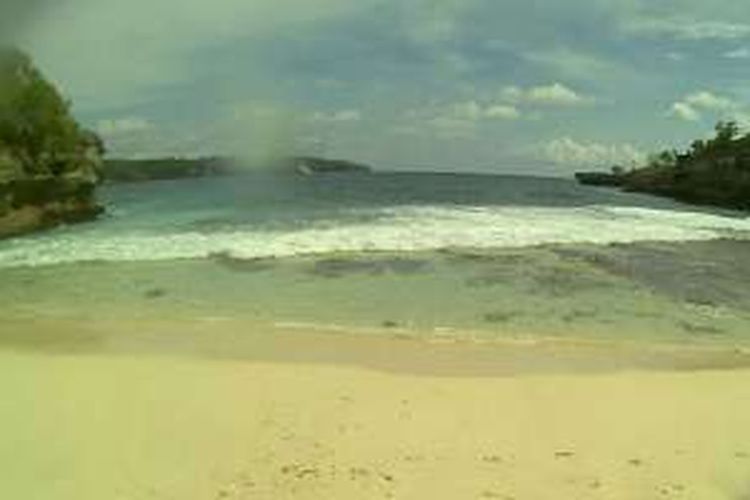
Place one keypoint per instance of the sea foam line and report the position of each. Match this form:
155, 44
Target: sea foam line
398, 229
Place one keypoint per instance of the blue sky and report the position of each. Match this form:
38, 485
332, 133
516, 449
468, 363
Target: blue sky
532, 86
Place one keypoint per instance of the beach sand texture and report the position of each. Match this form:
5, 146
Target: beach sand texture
154, 426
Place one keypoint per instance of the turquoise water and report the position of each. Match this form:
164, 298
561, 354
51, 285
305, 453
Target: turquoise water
420, 253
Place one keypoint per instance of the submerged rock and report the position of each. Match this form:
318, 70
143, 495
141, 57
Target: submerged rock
340, 267
228, 261
501, 316
155, 293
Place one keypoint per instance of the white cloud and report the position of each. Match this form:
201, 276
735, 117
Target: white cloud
742, 118
676, 56
709, 101
555, 94
566, 151
470, 110
463, 117
684, 111
474, 111
503, 112
120, 126
343, 116
740, 53
452, 127
456, 120
512, 93
691, 107
578, 65
689, 29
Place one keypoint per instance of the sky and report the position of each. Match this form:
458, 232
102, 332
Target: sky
505, 86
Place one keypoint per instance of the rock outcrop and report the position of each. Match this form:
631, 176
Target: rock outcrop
49, 165
713, 172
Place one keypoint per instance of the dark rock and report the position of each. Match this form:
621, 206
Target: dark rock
155, 293
500, 317
228, 261
700, 329
339, 267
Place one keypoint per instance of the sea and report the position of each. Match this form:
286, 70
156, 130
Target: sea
430, 254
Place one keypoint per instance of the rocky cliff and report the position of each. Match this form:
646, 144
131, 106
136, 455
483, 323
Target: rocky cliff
710, 172
49, 165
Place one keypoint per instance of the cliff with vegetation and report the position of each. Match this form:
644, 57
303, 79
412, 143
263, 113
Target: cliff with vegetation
49, 165
711, 172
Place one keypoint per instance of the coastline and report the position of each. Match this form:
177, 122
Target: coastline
308, 415
552, 371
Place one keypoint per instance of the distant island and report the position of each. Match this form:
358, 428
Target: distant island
49, 165
308, 165
128, 170
711, 172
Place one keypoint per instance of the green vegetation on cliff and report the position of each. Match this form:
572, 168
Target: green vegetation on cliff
49, 165
712, 172
38, 135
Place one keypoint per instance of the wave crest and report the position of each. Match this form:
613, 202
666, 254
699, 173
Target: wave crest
401, 229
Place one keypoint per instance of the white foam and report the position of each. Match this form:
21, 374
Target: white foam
409, 228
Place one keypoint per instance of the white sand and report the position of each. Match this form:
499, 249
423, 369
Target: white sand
146, 427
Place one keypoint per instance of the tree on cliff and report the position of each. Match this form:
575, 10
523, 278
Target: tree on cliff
714, 171
38, 135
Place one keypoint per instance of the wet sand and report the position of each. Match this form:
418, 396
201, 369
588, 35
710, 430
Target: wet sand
166, 413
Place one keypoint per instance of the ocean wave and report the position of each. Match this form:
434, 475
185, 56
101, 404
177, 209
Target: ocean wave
398, 229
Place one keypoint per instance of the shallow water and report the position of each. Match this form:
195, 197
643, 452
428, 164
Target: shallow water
560, 291
428, 255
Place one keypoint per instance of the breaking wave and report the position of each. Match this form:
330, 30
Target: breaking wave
398, 229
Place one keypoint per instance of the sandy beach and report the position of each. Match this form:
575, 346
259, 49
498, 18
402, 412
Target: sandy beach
106, 420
